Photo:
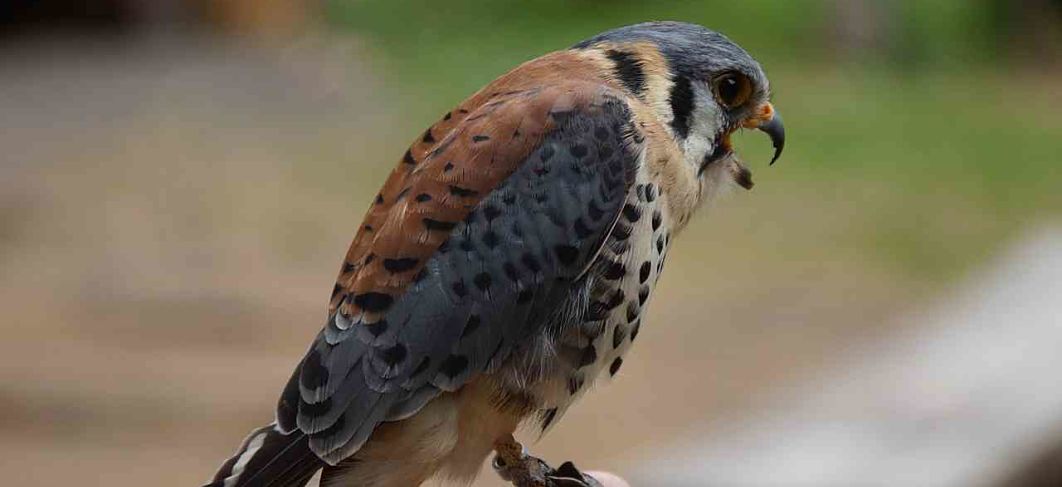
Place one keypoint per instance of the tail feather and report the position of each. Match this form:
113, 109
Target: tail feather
269, 458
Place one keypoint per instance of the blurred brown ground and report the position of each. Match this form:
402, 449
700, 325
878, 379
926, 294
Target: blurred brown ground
173, 208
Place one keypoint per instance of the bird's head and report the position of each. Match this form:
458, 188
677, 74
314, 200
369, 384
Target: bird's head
701, 85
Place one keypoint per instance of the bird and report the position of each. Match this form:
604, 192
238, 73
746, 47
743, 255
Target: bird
508, 260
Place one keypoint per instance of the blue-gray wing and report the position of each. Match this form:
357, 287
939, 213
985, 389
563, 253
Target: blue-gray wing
491, 287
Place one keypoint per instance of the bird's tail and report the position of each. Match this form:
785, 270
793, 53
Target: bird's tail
269, 458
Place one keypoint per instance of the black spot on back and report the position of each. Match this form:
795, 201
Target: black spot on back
471, 325
482, 281
373, 302
377, 328
313, 374
453, 366
462, 192
433, 224
393, 355
566, 254
401, 264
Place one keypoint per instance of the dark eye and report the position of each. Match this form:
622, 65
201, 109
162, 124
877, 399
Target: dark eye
733, 89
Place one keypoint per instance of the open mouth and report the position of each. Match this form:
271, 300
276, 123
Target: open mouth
766, 120
723, 149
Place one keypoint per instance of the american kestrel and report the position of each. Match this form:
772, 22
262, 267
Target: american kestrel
507, 261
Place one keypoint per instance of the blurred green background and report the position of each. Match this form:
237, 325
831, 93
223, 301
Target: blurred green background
917, 98
180, 178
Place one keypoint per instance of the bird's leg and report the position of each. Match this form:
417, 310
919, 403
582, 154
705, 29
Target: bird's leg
514, 465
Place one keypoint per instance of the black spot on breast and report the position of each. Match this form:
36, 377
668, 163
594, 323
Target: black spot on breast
423, 197
524, 296
482, 281
347, 267
448, 167
509, 199
462, 192
460, 289
491, 212
631, 213
621, 232
657, 219
628, 70
447, 116
373, 302
428, 138
480, 138
369, 258
438, 225
632, 312
408, 157
313, 374
566, 254
579, 151
615, 300
367, 228
471, 325
615, 271
574, 384
644, 271
660, 244
634, 330
453, 366
336, 289
401, 264
377, 328
466, 245
681, 101
650, 192
379, 199
618, 334
612, 369
588, 356
394, 355
643, 295
596, 311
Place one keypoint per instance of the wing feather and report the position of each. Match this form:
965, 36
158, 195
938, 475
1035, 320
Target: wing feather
466, 261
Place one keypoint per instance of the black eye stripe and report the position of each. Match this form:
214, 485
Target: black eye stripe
681, 101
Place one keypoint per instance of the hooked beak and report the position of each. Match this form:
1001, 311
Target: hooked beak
768, 120
776, 131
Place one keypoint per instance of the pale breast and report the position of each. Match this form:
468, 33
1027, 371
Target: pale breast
620, 284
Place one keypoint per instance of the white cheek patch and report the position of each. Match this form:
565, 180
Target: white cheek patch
706, 121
